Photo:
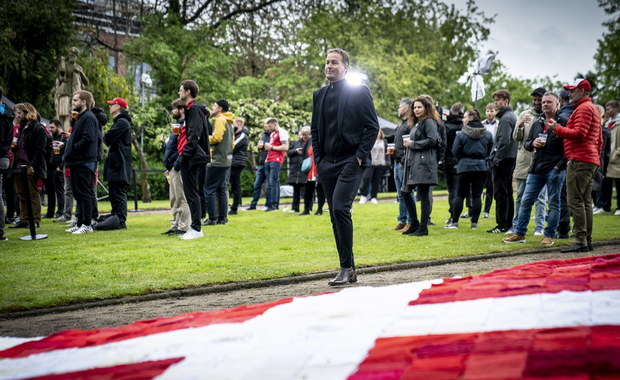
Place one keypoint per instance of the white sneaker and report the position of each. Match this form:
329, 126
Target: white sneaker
600, 211
83, 230
510, 231
452, 226
374, 201
192, 234
538, 233
72, 229
363, 200
617, 213
486, 215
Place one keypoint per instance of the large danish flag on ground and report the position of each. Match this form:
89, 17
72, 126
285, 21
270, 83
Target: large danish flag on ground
556, 319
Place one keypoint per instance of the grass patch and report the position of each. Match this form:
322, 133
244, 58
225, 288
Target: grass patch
255, 245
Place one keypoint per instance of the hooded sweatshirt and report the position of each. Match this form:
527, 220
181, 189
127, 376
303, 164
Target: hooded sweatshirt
221, 141
472, 145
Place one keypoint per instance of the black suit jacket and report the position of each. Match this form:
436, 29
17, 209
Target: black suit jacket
357, 126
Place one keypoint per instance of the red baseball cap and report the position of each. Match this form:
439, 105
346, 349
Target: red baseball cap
579, 83
120, 101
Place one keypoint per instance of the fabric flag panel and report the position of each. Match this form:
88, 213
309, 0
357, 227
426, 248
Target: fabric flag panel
557, 319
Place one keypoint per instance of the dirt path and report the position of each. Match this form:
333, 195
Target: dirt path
226, 297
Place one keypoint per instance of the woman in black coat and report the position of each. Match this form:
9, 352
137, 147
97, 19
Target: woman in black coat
472, 146
296, 154
30, 151
420, 168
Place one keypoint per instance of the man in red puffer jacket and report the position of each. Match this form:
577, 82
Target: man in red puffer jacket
583, 142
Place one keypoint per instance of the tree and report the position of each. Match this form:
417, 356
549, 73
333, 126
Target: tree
608, 54
33, 35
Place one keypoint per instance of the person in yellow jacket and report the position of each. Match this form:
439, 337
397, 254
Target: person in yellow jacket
221, 143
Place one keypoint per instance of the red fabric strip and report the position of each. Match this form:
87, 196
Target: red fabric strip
139, 371
581, 274
555, 353
86, 338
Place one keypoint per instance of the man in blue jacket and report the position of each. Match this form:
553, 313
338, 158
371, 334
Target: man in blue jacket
344, 128
80, 156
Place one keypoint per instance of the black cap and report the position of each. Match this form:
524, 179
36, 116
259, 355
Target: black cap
224, 104
564, 94
539, 91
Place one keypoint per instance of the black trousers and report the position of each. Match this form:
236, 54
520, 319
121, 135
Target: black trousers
202, 187
469, 184
502, 192
309, 195
298, 189
451, 183
607, 192
12, 202
235, 187
118, 199
564, 225
189, 175
341, 181
215, 191
55, 189
373, 176
424, 196
488, 193
82, 180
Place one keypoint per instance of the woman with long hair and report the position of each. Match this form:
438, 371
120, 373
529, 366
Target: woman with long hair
30, 152
472, 146
380, 163
420, 163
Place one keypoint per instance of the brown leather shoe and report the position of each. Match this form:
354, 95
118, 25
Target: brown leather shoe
399, 226
344, 276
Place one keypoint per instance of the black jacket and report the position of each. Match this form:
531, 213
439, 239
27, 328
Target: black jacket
171, 153
453, 124
197, 125
117, 166
421, 156
504, 146
295, 175
35, 143
399, 148
82, 145
6, 131
240, 149
472, 146
56, 159
262, 156
356, 128
552, 154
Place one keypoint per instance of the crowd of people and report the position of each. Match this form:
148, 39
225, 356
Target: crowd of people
563, 153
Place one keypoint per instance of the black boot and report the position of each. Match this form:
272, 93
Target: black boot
413, 227
421, 231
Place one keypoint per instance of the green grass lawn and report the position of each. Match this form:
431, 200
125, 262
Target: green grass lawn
254, 245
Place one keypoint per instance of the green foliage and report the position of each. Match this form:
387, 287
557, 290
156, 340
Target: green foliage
104, 83
608, 54
33, 35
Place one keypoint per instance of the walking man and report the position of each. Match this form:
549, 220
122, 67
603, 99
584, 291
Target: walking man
344, 128
583, 142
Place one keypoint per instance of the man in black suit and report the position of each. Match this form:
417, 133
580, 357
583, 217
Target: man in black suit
344, 129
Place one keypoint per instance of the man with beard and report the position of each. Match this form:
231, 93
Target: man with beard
117, 169
404, 112
55, 181
194, 153
524, 158
81, 152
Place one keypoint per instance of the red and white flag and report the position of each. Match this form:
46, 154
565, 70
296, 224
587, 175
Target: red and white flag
557, 319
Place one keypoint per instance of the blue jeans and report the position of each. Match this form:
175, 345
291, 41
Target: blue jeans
553, 180
403, 216
258, 184
272, 172
539, 218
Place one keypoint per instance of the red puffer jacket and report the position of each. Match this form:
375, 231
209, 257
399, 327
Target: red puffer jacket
582, 135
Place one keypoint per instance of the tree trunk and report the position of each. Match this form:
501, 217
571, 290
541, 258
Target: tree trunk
144, 183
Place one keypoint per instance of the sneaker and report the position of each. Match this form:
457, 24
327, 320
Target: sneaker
3, 236
208, 222
595, 209
510, 231
538, 233
474, 226
83, 230
600, 211
496, 230
449, 221
232, 212
452, 226
514, 239
485, 215
465, 216
73, 229
363, 200
318, 212
547, 241
250, 208
617, 213
61, 219
192, 234
374, 201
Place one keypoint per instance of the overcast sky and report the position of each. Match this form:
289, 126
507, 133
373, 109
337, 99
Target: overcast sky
537, 38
